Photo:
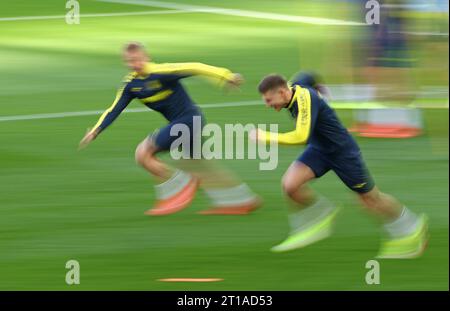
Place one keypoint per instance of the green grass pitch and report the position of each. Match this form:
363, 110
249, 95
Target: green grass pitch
58, 204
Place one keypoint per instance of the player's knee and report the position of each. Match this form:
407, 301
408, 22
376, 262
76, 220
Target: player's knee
289, 188
143, 152
139, 154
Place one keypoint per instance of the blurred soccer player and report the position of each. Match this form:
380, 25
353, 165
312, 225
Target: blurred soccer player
389, 69
158, 87
331, 147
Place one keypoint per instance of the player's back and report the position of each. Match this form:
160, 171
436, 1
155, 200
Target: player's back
328, 135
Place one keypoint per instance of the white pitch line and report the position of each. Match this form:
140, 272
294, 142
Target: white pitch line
237, 12
29, 18
59, 115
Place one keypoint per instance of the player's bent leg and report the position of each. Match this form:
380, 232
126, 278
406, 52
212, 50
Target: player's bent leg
294, 184
176, 189
235, 200
312, 216
227, 193
145, 156
383, 205
408, 233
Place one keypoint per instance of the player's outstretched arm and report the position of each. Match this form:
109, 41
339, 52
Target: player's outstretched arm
235, 82
123, 98
88, 137
295, 137
304, 124
181, 70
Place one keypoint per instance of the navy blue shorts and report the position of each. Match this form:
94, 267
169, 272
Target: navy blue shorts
163, 138
348, 165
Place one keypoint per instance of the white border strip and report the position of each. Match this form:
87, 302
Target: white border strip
237, 12
59, 115
30, 18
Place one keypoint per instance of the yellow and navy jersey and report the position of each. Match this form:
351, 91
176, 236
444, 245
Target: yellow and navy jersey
316, 123
160, 90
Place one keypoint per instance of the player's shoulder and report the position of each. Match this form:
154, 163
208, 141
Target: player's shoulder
164, 68
129, 77
307, 94
127, 81
306, 79
303, 91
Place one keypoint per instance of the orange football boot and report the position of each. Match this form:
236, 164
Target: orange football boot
177, 202
239, 209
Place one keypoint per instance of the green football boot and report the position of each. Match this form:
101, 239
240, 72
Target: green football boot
318, 231
410, 246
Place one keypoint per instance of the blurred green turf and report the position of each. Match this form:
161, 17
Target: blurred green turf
58, 204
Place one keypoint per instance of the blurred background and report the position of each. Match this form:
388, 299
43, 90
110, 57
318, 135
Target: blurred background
388, 83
